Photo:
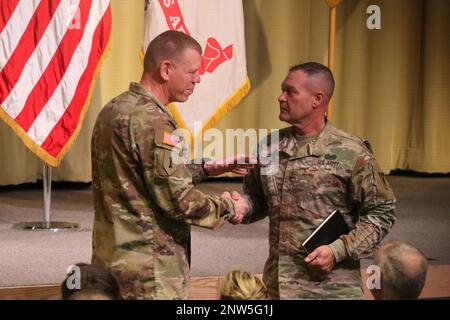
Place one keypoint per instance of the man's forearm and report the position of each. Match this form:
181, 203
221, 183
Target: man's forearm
370, 230
198, 173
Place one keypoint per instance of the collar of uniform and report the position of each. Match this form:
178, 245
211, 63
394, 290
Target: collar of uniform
315, 148
137, 88
288, 143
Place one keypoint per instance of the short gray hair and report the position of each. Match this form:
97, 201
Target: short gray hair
399, 277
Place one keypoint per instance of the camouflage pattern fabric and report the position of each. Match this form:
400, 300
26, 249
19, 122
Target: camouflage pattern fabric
144, 203
335, 170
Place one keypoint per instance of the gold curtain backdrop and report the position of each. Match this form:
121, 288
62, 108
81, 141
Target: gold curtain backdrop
391, 85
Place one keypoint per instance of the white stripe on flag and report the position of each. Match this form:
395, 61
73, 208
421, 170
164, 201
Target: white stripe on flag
64, 93
16, 26
41, 57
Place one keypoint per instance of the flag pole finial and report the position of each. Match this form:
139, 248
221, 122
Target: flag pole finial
333, 3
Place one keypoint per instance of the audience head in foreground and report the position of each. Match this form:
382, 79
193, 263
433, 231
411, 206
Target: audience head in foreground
241, 285
89, 282
403, 271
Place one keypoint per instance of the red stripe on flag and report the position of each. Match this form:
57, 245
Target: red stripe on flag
67, 125
174, 17
26, 46
52, 76
6, 10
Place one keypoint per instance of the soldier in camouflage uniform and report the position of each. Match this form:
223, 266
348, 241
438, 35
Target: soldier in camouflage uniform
145, 202
321, 168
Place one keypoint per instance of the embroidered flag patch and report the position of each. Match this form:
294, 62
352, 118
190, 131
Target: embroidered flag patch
170, 139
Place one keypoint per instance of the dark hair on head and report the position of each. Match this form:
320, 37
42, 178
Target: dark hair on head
315, 68
92, 278
168, 45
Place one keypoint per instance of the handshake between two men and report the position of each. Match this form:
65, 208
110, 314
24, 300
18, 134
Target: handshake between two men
240, 206
319, 261
238, 165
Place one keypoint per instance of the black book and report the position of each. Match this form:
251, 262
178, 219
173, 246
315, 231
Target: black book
329, 230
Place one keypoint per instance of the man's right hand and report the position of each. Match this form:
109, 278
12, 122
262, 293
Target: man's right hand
241, 206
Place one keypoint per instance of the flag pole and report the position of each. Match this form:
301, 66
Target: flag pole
46, 224
332, 4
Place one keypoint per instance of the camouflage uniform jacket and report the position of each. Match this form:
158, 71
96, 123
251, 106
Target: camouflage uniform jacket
334, 171
144, 203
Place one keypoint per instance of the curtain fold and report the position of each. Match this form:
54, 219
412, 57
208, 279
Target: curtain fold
391, 84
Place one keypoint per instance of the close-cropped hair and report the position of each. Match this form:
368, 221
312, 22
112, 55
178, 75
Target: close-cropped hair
241, 285
315, 68
168, 45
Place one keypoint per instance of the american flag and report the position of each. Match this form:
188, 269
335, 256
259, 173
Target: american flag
50, 51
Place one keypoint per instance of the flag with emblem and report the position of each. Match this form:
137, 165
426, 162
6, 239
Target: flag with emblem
50, 51
218, 25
